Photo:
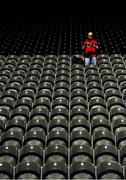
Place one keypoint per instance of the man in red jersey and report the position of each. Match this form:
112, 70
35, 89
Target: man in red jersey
90, 47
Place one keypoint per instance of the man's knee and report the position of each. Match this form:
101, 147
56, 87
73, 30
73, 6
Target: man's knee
93, 60
87, 61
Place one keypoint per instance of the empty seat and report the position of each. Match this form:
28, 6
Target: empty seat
6, 170
55, 170
34, 138
31, 153
56, 153
9, 154
103, 138
110, 170
81, 153
82, 170
107, 153
27, 170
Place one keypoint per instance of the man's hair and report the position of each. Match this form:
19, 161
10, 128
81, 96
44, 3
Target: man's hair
90, 34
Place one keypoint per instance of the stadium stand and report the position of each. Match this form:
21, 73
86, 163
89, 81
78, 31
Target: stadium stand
60, 119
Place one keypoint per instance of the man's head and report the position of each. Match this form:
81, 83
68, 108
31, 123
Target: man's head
90, 35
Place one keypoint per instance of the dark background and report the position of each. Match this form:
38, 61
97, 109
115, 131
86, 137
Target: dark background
40, 8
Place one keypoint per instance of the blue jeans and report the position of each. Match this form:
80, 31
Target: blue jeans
92, 59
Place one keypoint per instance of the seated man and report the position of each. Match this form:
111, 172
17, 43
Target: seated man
90, 47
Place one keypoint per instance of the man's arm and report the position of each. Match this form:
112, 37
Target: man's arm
95, 45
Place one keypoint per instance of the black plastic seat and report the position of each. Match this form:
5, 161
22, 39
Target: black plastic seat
34, 73
121, 79
48, 73
50, 61
121, 139
10, 94
18, 79
92, 72
103, 138
76, 67
31, 154
118, 66
61, 93
110, 170
122, 86
8, 67
32, 79
116, 112
107, 78
21, 67
40, 111
27, 170
56, 153
98, 110
57, 138
11, 139
37, 125
91, 66
35, 67
63, 67
98, 101
15, 86
80, 138
6, 103
119, 125
58, 124
93, 78
78, 101
45, 85
82, 111
95, 93
25, 103
44, 93
112, 93
5, 73
77, 72
103, 61
79, 124
55, 170
107, 153
16, 125
20, 112
82, 170
3, 80
61, 101
62, 72
78, 93
49, 67
78, 85
4, 114
42, 102
81, 153
115, 102
2, 126
123, 155
34, 138
110, 85
104, 66
100, 124
19, 73
47, 78
77, 79
105, 72
6, 170
9, 154
62, 78
94, 85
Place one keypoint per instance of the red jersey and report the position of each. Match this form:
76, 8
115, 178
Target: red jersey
90, 51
